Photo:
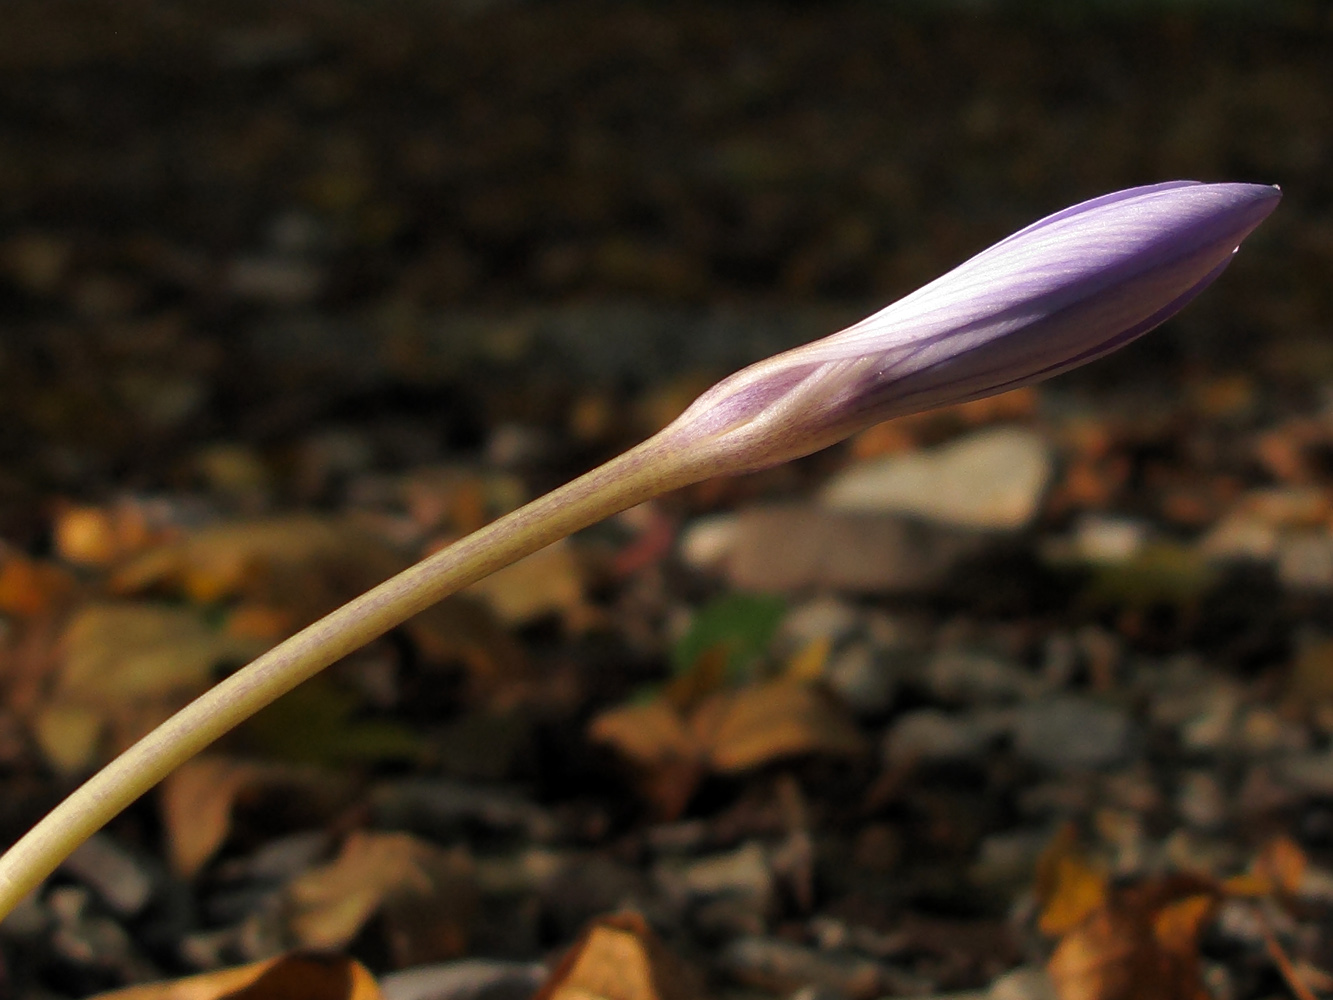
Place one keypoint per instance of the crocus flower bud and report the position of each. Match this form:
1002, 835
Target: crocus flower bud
1070, 288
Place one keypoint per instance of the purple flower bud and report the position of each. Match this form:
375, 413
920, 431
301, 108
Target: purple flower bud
1070, 288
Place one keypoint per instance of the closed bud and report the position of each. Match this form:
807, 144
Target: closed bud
1064, 291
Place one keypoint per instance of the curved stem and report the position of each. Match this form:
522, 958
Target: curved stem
641, 473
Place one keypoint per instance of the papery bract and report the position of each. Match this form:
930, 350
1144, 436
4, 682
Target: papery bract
1070, 288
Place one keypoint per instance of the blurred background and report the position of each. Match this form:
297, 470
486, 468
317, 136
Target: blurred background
233, 221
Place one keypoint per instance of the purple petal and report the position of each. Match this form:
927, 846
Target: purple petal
1063, 291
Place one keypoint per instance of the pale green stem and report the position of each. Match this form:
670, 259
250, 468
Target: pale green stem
648, 470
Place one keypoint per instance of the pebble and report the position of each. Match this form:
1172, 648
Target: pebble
1305, 561
1028, 982
930, 735
744, 872
441, 808
992, 480
799, 546
1072, 732
278, 281
117, 877
776, 965
706, 542
822, 618
1308, 773
863, 678
1200, 800
469, 979
1107, 540
1007, 860
955, 675
1240, 538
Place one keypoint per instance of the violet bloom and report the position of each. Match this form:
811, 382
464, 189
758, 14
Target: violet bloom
1070, 288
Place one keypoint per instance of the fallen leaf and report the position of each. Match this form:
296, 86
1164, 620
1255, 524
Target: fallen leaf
425, 896
302, 562
809, 663
657, 738
1279, 869
287, 977
620, 958
727, 732
101, 536
1285, 863
30, 587
125, 667
548, 582
460, 631
1141, 945
1069, 888
782, 718
196, 803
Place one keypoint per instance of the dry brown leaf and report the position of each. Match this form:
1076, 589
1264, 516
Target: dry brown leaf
809, 663
101, 536
306, 561
196, 803
657, 739
287, 977
426, 896
1283, 861
1141, 945
127, 666
1069, 887
620, 958
1278, 868
781, 718
727, 732
29, 587
548, 582
464, 631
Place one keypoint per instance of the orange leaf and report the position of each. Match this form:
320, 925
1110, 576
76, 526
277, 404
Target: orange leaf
1284, 862
29, 588
425, 895
196, 808
1069, 887
782, 718
287, 977
620, 958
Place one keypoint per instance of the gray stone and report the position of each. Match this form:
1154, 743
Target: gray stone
958, 675
1068, 731
1027, 982
862, 678
823, 618
1200, 800
744, 872
929, 735
781, 966
993, 479
794, 546
468, 979
112, 872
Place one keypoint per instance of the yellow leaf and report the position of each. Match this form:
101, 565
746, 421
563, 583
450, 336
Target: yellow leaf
547, 582
619, 958
779, 719
196, 802
1069, 887
426, 896
808, 664
287, 977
